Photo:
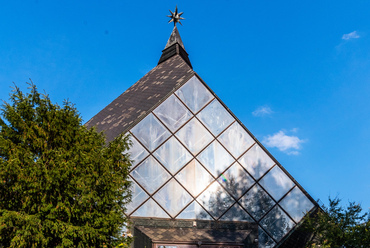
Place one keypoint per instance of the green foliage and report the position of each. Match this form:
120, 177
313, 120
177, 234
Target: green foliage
61, 185
336, 226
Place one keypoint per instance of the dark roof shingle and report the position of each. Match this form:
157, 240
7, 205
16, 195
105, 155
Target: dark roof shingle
136, 102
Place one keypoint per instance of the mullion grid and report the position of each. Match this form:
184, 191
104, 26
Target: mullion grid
151, 153
173, 176
276, 204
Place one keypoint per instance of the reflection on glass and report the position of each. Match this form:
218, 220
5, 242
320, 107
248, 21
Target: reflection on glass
194, 135
264, 241
236, 213
257, 202
150, 132
256, 161
276, 182
215, 117
296, 204
137, 151
236, 140
138, 196
194, 211
172, 155
173, 113
194, 94
150, 174
277, 223
150, 209
215, 199
215, 158
172, 197
194, 177
236, 180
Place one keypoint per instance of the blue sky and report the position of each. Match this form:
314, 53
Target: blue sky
296, 73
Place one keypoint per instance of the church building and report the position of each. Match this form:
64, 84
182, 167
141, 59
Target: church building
199, 176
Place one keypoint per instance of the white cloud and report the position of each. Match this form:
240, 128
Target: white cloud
352, 35
262, 111
285, 143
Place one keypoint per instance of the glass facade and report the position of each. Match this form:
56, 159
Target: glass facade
193, 160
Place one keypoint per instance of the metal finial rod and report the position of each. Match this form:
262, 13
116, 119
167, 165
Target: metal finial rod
175, 17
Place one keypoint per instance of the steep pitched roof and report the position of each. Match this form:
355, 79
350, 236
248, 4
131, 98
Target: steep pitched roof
173, 70
133, 105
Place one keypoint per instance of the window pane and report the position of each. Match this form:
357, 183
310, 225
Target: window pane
172, 197
276, 182
194, 178
236, 140
150, 209
216, 200
150, 174
296, 204
194, 136
194, 94
173, 155
138, 197
256, 161
150, 132
264, 240
257, 202
236, 213
215, 117
137, 151
173, 113
194, 211
236, 180
277, 223
215, 158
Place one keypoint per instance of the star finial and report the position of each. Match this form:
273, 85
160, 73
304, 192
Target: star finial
175, 17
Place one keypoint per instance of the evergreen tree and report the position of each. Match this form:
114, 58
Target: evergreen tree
61, 185
336, 226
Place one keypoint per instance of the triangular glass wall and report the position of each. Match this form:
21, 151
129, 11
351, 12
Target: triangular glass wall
194, 160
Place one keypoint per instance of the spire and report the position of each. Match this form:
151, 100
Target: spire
174, 38
174, 44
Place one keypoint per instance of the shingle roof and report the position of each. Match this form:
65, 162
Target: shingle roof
163, 230
134, 104
205, 235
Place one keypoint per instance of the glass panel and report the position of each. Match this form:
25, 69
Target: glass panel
277, 223
215, 158
150, 209
236, 140
264, 240
173, 155
215, 199
194, 177
215, 117
194, 135
138, 196
173, 113
150, 174
137, 151
256, 161
276, 182
237, 213
194, 211
236, 180
150, 132
194, 94
172, 197
257, 202
296, 204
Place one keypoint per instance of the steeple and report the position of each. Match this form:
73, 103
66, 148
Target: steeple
174, 44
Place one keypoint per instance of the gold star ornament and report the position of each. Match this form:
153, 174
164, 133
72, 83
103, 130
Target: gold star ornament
175, 17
